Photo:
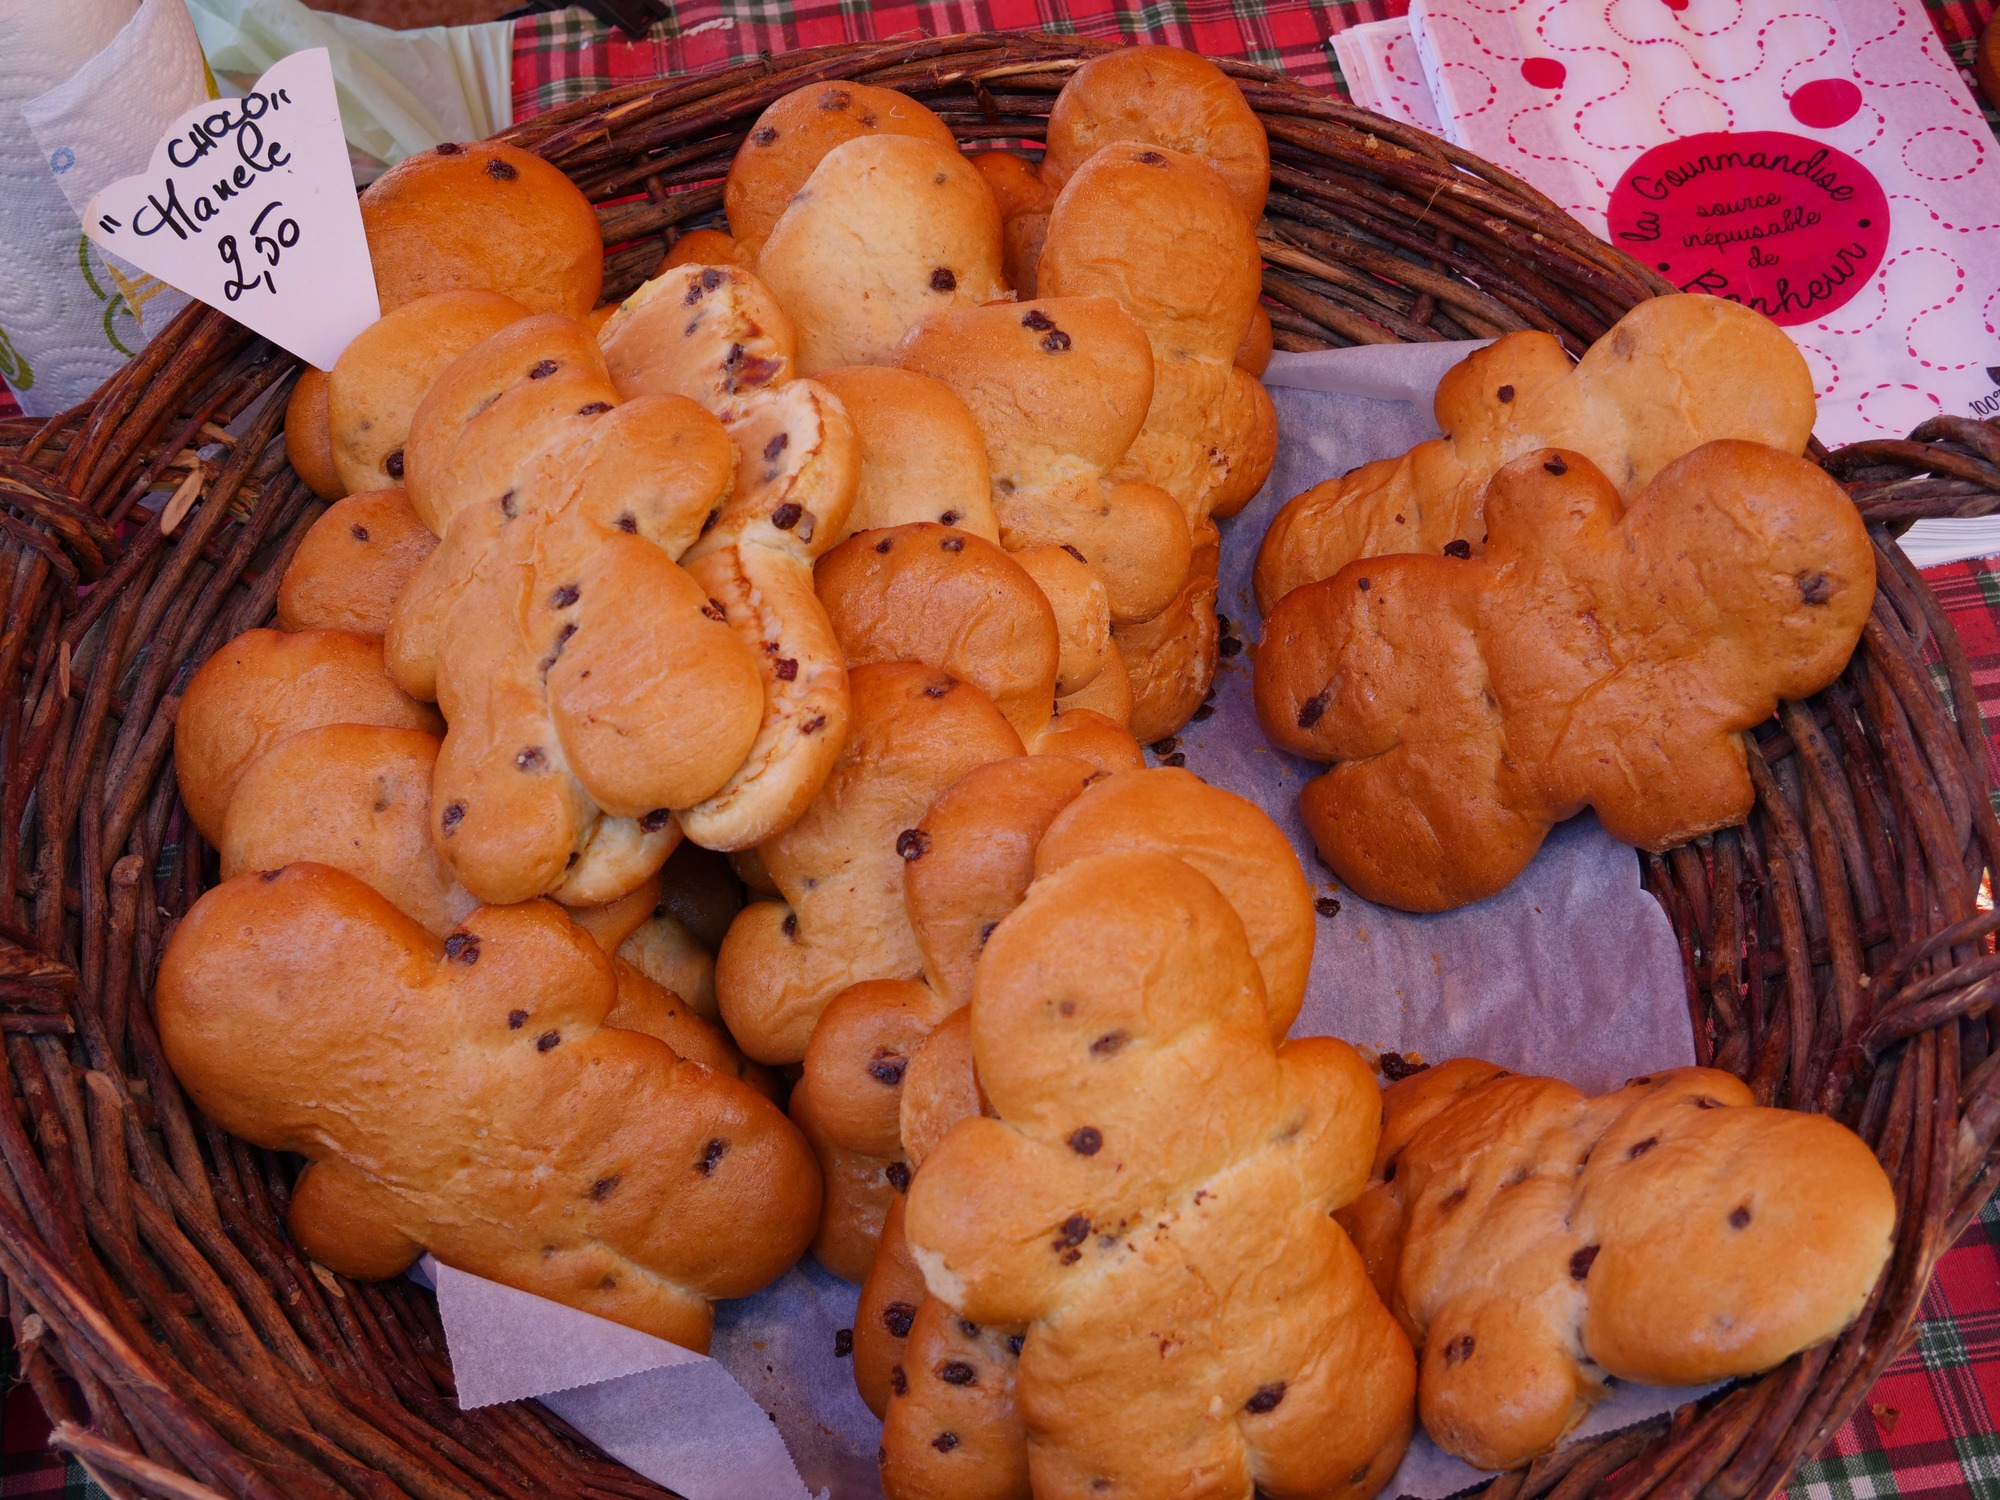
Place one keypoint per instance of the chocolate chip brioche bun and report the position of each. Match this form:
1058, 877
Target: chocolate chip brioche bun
487, 217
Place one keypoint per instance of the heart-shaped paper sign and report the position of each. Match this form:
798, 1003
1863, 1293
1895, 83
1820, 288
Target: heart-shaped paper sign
249, 205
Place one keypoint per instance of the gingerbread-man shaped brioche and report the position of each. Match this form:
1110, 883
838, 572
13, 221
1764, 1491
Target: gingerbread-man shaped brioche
922, 455
887, 229
1535, 1241
794, 134
304, 1013
265, 686
356, 797
1162, 234
970, 863
1060, 389
714, 334
1189, 1305
914, 731
353, 564
1211, 432
590, 686
1593, 657
930, 593
1673, 373
1157, 96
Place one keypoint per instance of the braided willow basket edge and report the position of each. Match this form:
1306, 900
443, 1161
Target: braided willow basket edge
1836, 952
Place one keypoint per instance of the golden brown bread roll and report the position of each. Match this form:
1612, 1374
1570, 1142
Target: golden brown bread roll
1594, 656
303, 1012
923, 457
1023, 199
1253, 355
933, 594
647, 1006
717, 335
794, 135
1060, 389
887, 229
979, 842
795, 475
383, 375
858, 1189
710, 333
702, 247
356, 797
688, 908
1673, 373
1170, 659
1534, 1242
941, 1087
483, 216
266, 685
887, 1306
913, 732
592, 687
1075, 591
1189, 1305
309, 435
953, 1430
1162, 235
1160, 96
1108, 693
353, 564
1227, 838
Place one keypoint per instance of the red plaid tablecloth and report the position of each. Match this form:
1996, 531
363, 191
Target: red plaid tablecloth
1931, 1427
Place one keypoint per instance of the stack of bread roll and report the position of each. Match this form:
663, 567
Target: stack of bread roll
850, 558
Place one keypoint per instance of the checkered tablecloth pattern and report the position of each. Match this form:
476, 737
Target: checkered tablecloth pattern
1931, 1426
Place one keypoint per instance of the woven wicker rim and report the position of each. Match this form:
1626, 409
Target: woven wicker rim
1835, 952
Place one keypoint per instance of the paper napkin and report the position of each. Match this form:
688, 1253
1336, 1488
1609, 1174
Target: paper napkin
86, 86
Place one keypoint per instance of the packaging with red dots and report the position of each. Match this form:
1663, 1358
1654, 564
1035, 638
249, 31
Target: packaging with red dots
1819, 160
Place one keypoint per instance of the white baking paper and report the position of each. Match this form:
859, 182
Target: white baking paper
100, 78
248, 205
1572, 971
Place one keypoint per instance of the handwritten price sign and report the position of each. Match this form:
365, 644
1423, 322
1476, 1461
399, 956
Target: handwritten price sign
248, 204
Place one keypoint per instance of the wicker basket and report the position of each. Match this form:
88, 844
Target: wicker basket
1836, 953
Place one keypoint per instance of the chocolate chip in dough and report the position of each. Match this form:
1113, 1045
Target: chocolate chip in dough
1640, 1148
548, 1041
1505, 393
1556, 467
913, 843
1265, 1398
898, 1381
944, 1442
898, 1173
462, 948
712, 1153
764, 135
1739, 1216
1086, 1140
957, 1372
896, 1317
786, 516
394, 464
358, 532
1458, 1350
1314, 708
888, 1069
454, 813
501, 171
942, 280
449, 148
543, 370
1460, 548
1580, 1263
516, 1019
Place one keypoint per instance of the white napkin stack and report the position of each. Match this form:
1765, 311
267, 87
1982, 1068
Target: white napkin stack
86, 87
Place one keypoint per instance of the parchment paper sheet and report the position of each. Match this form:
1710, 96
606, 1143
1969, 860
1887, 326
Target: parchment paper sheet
1572, 971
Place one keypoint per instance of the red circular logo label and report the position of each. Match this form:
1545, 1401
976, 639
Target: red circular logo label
1784, 225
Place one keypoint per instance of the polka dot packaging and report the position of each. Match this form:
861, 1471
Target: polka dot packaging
1821, 162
